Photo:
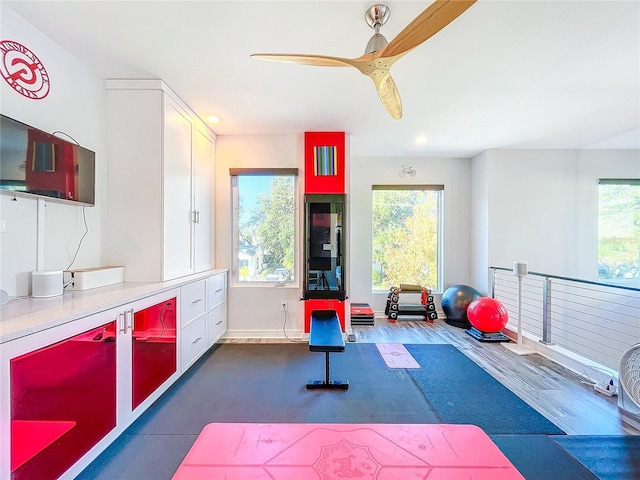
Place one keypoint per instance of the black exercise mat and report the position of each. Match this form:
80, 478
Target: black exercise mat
266, 383
537, 457
609, 457
461, 392
140, 457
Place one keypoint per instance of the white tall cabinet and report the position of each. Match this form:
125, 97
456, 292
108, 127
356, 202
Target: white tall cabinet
204, 197
161, 177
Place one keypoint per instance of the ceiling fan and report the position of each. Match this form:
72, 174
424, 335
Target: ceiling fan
379, 54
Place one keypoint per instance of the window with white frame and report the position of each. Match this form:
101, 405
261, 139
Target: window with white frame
264, 225
407, 236
619, 230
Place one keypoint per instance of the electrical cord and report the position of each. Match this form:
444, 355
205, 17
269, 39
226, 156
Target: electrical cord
66, 135
586, 379
164, 307
608, 374
84, 217
285, 313
86, 230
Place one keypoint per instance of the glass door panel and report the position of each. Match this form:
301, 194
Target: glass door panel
153, 348
63, 402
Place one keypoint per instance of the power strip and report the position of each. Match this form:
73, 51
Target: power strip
606, 388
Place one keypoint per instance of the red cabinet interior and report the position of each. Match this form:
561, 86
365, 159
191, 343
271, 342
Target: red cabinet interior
154, 348
63, 401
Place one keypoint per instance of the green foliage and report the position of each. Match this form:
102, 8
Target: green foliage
276, 228
405, 238
619, 231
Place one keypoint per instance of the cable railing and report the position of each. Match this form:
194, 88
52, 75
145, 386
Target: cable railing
596, 321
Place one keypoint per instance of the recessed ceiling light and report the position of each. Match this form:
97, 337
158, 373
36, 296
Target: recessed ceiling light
421, 140
214, 119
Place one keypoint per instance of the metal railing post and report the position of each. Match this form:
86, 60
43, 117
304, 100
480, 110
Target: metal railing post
546, 312
493, 282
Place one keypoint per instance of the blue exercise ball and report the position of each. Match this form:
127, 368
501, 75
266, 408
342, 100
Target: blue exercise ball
455, 301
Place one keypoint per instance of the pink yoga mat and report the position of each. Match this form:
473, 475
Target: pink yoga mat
395, 355
241, 451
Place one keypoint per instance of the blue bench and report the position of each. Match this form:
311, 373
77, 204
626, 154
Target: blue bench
325, 335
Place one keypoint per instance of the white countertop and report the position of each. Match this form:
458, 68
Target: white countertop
25, 316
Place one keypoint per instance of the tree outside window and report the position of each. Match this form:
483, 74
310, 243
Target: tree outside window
619, 231
264, 227
406, 236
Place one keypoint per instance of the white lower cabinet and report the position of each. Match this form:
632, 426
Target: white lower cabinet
194, 342
203, 316
216, 324
193, 301
216, 290
77, 386
216, 307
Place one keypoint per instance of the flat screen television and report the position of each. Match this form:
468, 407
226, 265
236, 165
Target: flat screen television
33, 162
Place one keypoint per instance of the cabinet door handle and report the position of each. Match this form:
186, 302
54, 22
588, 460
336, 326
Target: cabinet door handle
128, 315
196, 340
219, 322
197, 216
197, 300
219, 290
122, 322
193, 216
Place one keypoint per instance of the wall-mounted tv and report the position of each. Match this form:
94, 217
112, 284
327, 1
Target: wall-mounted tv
33, 162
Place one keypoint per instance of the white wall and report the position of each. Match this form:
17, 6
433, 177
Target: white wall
479, 222
594, 165
75, 105
541, 206
453, 173
255, 311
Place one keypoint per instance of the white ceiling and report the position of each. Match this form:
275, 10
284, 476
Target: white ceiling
505, 74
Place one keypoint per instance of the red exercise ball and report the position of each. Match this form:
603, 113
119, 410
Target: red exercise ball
487, 314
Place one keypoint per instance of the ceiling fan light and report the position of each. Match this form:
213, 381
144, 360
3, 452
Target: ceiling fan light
377, 42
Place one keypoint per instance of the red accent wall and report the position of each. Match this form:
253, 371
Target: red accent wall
323, 183
322, 304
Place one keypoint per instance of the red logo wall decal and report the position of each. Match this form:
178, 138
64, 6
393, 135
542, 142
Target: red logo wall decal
23, 70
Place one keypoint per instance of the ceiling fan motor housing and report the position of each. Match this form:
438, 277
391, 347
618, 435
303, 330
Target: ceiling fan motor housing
375, 43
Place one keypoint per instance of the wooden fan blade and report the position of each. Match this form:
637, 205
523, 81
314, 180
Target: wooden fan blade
315, 60
437, 16
388, 92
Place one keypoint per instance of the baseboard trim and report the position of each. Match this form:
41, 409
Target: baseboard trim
264, 334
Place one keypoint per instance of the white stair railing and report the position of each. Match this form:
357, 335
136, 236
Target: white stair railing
594, 320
